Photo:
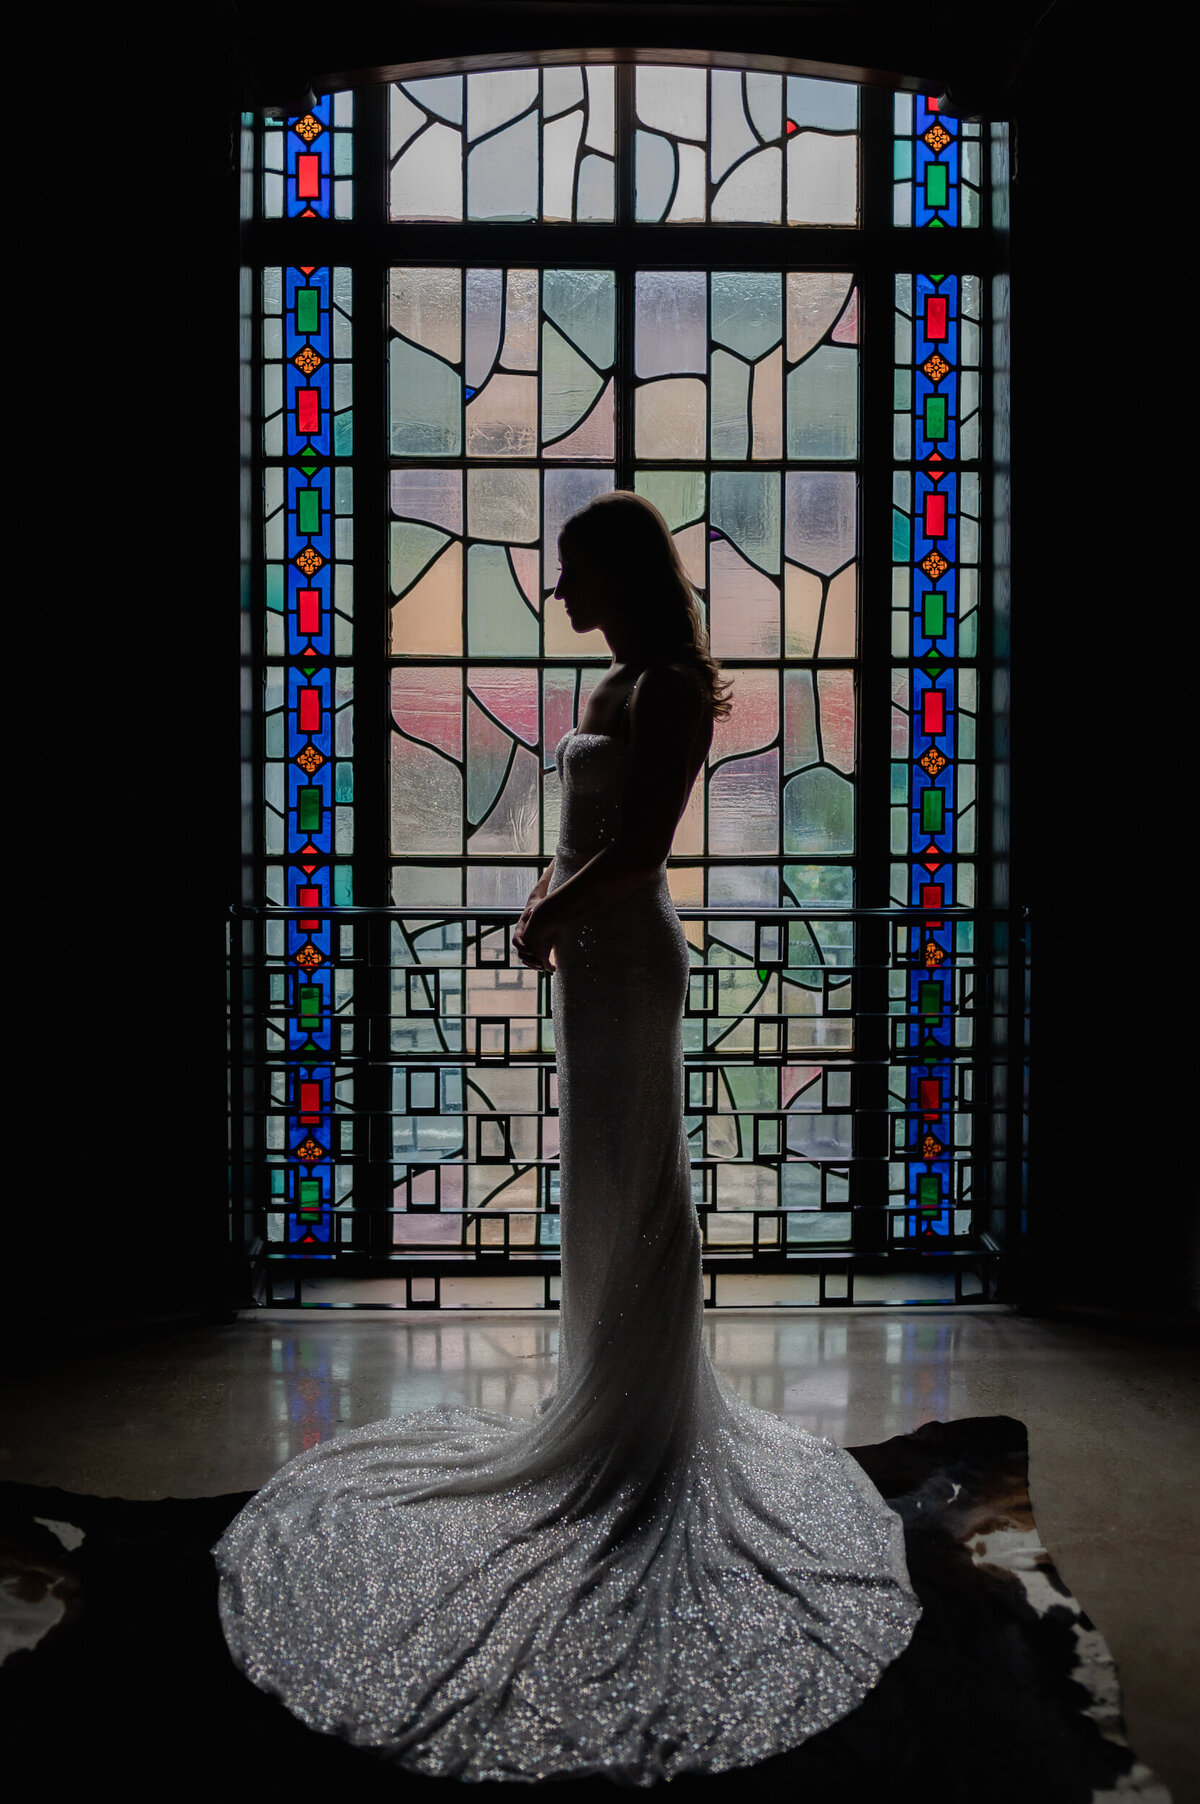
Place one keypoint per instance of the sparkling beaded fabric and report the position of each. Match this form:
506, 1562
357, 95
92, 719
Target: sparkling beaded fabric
649, 1578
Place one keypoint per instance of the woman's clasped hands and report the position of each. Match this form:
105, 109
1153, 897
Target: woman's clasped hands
533, 935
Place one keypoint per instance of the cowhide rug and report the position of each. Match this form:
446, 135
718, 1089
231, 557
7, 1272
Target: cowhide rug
115, 1673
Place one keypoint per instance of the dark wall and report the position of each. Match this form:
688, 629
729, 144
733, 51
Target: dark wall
130, 781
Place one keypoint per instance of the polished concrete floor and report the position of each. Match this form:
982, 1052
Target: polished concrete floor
1114, 1430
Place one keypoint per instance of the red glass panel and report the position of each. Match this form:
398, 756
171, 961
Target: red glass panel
929, 1095
310, 1102
935, 316
935, 516
933, 712
308, 607
310, 710
308, 176
931, 897
308, 410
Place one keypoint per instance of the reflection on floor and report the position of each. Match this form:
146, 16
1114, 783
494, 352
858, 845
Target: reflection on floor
1114, 1466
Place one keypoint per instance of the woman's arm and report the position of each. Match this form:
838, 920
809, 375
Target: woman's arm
665, 713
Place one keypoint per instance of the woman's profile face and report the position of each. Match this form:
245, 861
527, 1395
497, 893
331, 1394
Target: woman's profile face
584, 593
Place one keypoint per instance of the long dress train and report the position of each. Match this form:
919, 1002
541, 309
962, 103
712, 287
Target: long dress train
648, 1578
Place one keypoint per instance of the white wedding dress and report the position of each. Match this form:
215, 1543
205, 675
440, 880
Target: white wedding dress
648, 1578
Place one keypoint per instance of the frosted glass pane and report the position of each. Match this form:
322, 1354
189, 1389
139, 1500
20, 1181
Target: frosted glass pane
569, 385
818, 813
426, 801
594, 437
747, 312
561, 88
731, 134
404, 119
581, 304
764, 98
600, 101
743, 610
730, 423
823, 404
560, 144
503, 504
426, 181
499, 621
670, 418
433, 495
502, 418
428, 619
497, 95
836, 691
425, 401
690, 192
746, 508
595, 198
800, 747
766, 407
520, 350
440, 94
512, 825
425, 305
677, 494
654, 174
822, 178
485, 299
671, 331
840, 624
753, 191
673, 101
412, 548
743, 806
754, 722
502, 174
511, 695
427, 705
821, 508
488, 750
814, 301
830, 104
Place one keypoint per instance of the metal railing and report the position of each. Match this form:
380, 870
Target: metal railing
856, 1100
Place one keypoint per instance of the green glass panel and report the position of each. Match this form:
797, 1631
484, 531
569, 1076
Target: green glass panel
310, 511
499, 621
426, 403
929, 998
901, 536
310, 999
818, 812
308, 809
933, 810
937, 185
677, 494
308, 310
933, 620
412, 548
581, 303
747, 313
746, 508
929, 1190
935, 416
310, 1195
569, 385
343, 885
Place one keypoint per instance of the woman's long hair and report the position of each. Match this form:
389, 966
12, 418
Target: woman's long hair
627, 540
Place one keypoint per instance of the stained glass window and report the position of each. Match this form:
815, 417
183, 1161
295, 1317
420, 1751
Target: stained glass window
507, 324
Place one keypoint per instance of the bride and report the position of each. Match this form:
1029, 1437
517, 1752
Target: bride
650, 1577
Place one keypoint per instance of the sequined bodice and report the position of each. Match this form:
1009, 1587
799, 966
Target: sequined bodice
591, 770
